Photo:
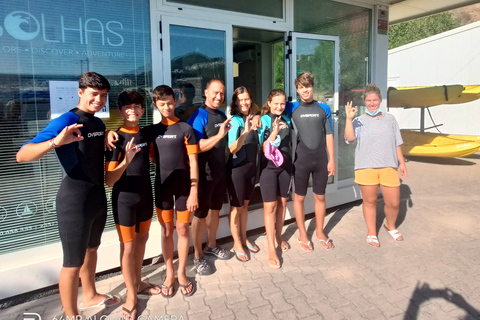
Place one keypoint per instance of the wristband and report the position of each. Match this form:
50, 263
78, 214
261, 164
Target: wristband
52, 143
277, 141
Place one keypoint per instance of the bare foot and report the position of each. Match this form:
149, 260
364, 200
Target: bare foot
148, 289
305, 245
100, 300
273, 260
129, 311
167, 286
284, 245
186, 286
373, 241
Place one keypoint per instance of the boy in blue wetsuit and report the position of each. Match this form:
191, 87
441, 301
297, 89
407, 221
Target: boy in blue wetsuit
127, 170
78, 139
314, 155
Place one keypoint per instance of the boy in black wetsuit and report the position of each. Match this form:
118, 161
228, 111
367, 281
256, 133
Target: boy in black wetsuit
313, 122
211, 128
127, 170
78, 139
176, 185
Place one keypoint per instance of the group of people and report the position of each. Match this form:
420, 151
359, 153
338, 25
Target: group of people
193, 172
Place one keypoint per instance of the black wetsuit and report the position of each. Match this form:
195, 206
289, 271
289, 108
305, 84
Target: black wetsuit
313, 122
132, 200
241, 182
81, 204
212, 164
276, 181
173, 141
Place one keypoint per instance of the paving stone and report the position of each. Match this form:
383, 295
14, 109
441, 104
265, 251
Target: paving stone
349, 312
278, 302
263, 312
431, 275
240, 309
302, 307
219, 308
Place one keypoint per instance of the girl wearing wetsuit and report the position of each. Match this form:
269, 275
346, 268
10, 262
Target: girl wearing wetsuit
276, 178
243, 145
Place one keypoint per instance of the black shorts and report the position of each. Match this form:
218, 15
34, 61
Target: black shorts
130, 207
174, 191
317, 166
275, 182
241, 184
82, 213
211, 194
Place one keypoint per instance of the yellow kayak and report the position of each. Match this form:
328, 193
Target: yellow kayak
422, 97
438, 145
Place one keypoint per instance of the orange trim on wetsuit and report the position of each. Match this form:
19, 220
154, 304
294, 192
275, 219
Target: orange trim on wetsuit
166, 216
184, 216
129, 130
191, 148
169, 122
111, 165
127, 233
144, 226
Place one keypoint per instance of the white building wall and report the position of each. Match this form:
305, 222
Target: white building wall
452, 57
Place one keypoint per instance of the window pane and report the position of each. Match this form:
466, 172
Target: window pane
352, 25
44, 41
197, 55
268, 8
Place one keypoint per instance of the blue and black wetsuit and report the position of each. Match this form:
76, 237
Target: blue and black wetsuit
241, 182
132, 200
173, 141
276, 181
81, 203
313, 122
212, 164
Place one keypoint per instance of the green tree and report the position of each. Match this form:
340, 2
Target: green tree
410, 31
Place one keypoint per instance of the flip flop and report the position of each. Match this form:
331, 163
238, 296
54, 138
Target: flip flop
306, 244
325, 243
147, 290
168, 290
102, 304
253, 248
186, 287
373, 239
237, 254
129, 312
394, 233
274, 265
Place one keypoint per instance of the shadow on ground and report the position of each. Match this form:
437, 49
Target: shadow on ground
423, 293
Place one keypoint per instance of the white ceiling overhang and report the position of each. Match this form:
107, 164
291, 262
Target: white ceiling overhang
404, 10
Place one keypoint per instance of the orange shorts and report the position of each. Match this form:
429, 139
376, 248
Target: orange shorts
165, 216
127, 234
387, 177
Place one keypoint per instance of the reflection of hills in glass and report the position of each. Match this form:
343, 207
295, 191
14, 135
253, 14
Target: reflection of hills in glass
196, 64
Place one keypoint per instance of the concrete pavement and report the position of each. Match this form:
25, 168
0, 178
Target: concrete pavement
433, 274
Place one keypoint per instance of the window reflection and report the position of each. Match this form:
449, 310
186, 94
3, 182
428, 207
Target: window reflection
45, 41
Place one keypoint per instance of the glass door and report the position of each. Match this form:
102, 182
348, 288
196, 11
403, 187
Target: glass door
193, 53
319, 55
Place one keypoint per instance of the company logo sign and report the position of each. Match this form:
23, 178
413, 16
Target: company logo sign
14, 22
24, 26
